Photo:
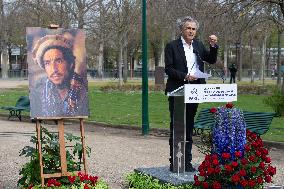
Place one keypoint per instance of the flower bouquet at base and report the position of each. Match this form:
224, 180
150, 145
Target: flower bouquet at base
238, 158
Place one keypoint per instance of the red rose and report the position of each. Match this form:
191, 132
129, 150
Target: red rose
195, 177
253, 169
252, 158
235, 178
205, 185
259, 180
228, 168
251, 183
197, 183
216, 185
71, 179
202, 173
207, 157
261, 165
253, 136
210, 170
258, 153
217, 170
268, 179
86, 186
244, 183
215, 162
244, 161
264, 151
226, 155
268, 160
213, 110
93, 179
234, 164
229, 105
247, 147
214, 156
238, 153
271, 170
243, 172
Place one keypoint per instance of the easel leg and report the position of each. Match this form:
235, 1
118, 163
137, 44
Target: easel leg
62, 147
83, 145
38, 130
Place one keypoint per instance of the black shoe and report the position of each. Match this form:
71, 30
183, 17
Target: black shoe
189, 168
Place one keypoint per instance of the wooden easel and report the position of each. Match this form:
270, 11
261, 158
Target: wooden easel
63, 164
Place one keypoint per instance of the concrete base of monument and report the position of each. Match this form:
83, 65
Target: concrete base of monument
164, 175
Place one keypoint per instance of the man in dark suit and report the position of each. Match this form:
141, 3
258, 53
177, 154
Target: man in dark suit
183, 57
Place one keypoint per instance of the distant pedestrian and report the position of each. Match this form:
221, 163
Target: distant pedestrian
233, 70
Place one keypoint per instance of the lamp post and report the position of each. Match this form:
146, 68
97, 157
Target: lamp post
145, 117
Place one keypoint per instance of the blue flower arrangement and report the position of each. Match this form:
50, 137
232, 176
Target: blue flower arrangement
229, 132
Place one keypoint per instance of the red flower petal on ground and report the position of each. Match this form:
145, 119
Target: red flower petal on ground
213, 110
229, 105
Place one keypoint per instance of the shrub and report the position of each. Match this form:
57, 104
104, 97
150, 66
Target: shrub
30, 172
276, 101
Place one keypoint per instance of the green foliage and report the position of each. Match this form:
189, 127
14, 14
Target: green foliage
30, 172
276, 101
142, 181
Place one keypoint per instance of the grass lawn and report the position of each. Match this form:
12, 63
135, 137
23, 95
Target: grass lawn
125, 108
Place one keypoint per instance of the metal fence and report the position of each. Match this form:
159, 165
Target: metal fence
137, 74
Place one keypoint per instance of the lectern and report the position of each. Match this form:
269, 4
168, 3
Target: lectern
179, 130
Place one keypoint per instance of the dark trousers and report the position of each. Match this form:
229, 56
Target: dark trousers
233, 79
190, 113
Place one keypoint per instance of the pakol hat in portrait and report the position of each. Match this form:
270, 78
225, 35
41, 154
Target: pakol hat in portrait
47, 41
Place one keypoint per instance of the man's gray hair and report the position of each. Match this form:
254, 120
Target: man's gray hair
182, 21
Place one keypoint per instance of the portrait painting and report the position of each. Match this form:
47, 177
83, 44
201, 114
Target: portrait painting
58, 83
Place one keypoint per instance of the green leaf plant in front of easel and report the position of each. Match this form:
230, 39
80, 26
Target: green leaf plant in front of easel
30, 172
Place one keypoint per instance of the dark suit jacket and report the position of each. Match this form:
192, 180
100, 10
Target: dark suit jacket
176, 65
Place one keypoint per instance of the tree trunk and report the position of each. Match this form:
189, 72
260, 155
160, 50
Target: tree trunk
162, 61
101, 60
240, 59
4, 62
263, 53
279, 58
120, 51
125, 67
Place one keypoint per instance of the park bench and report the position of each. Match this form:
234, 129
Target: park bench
257, 122
22, 104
